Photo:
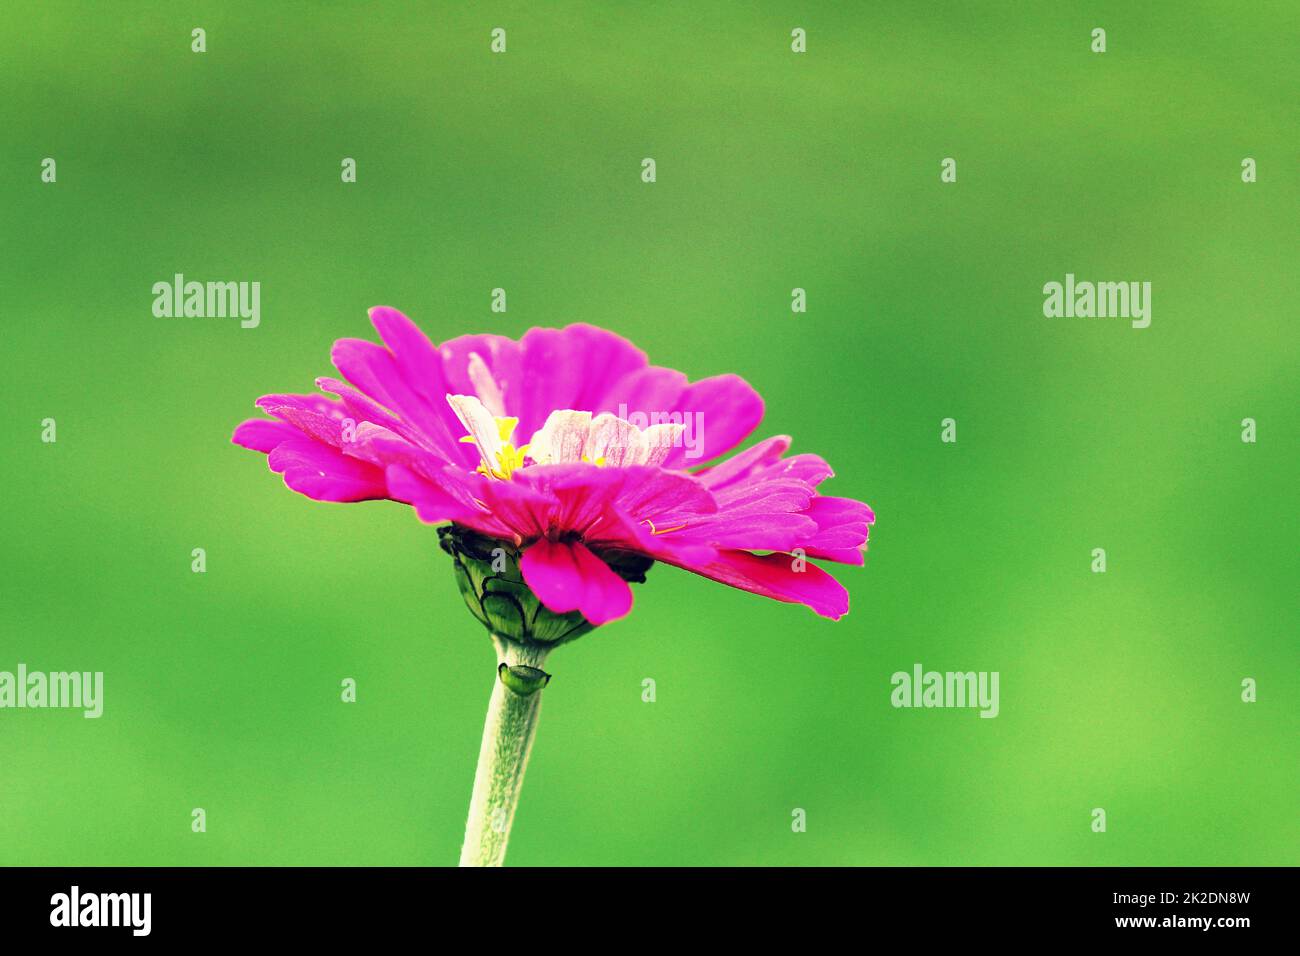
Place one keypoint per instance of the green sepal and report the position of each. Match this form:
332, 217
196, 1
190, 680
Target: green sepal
492, 586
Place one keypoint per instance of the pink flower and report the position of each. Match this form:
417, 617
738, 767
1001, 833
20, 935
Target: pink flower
610, 441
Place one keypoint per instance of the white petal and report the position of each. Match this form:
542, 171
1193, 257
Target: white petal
618, 442
660, 440
561, 440
478, 421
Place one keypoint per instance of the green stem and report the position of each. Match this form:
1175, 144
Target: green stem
508, 736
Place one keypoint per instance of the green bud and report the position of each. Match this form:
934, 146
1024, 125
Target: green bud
487, 573
522, 679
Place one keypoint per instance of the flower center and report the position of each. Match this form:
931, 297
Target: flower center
500, 462
567, 437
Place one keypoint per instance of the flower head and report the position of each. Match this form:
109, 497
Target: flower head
580, 459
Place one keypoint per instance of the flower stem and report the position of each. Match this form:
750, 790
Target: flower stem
507, 741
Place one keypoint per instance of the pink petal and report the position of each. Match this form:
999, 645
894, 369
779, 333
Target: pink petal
765, 497
720, 413
435, 502
741, 466
326, 474
644, 393
379, 446
843, 525
323, 427
812, 469
362, 408
525, 510
773, 576
568, 368
606, 358
501, 356
262, 434
665, 497
421, 365
760, 532
566, 576
374, 370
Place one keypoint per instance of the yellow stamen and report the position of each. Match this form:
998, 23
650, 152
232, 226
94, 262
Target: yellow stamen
654, 530
508, 458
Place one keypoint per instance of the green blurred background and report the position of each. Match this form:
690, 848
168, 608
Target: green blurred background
775, 170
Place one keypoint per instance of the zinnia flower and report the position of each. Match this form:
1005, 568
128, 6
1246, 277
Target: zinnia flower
574, 453
560, 467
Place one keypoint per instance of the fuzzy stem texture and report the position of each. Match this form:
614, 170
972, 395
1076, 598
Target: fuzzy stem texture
508, 736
